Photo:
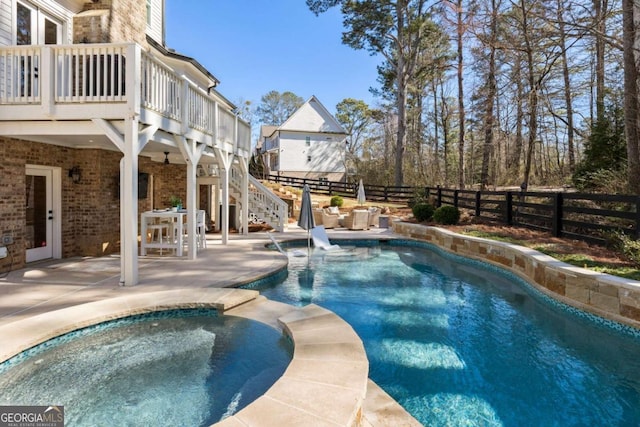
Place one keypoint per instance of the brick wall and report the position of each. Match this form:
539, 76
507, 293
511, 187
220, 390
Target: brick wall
111, 21
90, 216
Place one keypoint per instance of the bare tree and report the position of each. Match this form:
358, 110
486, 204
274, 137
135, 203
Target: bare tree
631, 52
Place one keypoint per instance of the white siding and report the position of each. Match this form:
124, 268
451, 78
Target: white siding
326, 155
312, 117
5, 22
155, 30
52, 8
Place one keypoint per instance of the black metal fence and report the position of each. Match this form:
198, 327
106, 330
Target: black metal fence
582, 216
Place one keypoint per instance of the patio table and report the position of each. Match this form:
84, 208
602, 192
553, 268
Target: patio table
176, 241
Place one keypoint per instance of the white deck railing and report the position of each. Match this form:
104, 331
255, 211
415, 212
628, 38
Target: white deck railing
91, 74
19, 69
160, 86
275, 209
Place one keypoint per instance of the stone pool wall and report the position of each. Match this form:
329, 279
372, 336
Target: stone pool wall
608, 296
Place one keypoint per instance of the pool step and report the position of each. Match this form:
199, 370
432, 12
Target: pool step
326, 381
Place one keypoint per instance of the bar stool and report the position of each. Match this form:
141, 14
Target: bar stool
201, 229
160, 233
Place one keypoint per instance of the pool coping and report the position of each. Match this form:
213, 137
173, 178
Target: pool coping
324, 384
609, 297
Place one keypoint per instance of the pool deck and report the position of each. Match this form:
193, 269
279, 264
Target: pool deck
77, 290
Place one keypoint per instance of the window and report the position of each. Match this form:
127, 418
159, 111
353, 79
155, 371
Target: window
24, 25
33, 26
149, 13
308, 141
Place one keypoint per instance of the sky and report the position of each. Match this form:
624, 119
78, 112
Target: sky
256, 46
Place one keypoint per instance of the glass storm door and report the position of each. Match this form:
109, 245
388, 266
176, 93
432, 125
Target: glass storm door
39, 212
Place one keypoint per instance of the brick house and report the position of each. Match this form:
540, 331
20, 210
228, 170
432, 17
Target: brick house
100, 121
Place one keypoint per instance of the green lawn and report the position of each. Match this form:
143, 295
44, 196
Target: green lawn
577, 259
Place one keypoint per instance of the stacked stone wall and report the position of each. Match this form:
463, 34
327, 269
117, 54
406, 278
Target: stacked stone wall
607, 296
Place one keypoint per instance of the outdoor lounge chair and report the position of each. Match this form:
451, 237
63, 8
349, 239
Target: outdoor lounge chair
357, 220
321, 240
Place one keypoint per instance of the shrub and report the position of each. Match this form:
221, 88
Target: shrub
627, 245
336, 201
447, 215
419, 197
422, 211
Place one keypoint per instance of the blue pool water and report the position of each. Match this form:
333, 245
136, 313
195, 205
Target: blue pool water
459, 344
177, 370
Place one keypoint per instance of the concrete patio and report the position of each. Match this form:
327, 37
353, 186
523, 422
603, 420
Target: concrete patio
30, 295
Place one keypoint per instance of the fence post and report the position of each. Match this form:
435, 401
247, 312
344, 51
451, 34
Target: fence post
508, 208
455, 198
556, 216
330, 189
638, 217
439, 198
478, 201
386, 193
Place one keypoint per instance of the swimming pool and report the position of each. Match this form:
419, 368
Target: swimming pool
457, 342
183, 367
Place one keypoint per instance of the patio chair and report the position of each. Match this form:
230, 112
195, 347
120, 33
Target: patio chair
317, 216
330, 220
374, 216
357, 220
201, 229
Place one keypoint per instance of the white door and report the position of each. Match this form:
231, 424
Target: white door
40, 213
34, 26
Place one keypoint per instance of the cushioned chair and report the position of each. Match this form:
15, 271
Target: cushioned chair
317, 216
330, 220
357, 220
374, 217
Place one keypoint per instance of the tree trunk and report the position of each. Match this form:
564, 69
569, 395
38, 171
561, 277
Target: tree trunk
461, 116
436, 134
489, 100
444, 119
631, 119
533, 97
516, 153
401, 96
599, 6
567, 88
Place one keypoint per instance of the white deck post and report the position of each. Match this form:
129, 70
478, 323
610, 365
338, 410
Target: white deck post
129, 172
191, 209
129, 205
245, 196
224, 161
192, 152
216, 201
224, 217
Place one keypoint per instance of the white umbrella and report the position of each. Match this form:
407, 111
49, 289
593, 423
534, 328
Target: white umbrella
361, 196
305, 221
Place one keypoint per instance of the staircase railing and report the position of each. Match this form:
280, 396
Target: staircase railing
272, 208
